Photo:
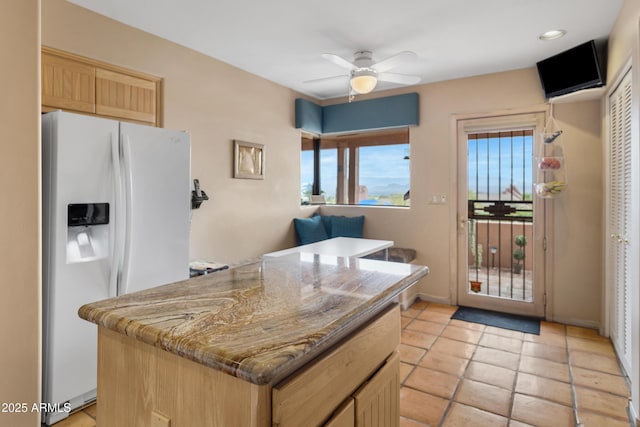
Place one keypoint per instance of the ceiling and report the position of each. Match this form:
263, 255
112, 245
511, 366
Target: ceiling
283, 40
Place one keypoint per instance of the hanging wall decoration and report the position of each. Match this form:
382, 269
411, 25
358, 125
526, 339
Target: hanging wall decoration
248, 160
551, 178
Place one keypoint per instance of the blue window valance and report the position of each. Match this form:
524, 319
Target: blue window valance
379, 113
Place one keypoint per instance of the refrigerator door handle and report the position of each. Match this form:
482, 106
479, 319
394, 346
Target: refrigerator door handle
128, 203
116, 261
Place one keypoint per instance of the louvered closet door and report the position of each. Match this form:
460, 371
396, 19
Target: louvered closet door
619, 217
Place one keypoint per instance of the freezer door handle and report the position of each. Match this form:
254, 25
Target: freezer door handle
128, 203
117, 222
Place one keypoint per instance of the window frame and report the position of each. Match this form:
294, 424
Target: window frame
348, 158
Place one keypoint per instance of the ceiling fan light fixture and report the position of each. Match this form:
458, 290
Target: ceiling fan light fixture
363, 80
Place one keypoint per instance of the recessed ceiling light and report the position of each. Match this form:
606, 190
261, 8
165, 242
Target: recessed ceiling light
552, 34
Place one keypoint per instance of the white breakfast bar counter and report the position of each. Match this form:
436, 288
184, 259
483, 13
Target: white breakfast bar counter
339, 246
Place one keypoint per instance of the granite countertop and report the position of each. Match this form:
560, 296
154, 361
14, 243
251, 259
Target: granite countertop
259, 321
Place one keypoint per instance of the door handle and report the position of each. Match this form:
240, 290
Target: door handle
619, 238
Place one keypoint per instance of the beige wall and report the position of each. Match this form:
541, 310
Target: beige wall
218, 103
430, 228
622, 40
578, 218
19, 209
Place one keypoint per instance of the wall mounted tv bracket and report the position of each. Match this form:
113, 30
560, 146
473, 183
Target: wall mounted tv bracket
197, 195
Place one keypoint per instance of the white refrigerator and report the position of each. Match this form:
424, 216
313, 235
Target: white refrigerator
116, 219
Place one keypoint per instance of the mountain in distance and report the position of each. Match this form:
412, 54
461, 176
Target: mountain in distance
387, 189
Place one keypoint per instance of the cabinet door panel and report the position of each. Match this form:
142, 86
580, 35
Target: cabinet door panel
123, 96
344, 417
67, 84
378, 401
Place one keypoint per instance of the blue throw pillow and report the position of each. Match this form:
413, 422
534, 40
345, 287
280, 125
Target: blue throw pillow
326, 220
310, 230
342, 226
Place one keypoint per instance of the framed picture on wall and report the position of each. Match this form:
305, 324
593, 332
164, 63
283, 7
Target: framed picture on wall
248, 160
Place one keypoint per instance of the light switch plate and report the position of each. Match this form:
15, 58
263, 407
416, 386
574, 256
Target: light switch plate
438, 199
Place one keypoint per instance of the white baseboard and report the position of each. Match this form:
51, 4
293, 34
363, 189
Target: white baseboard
432, 298
405, 300
633, 415
447, 301
578, 322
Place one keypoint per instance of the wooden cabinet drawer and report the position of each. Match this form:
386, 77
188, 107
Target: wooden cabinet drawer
310, 397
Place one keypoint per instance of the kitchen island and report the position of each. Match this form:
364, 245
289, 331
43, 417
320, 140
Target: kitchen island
302, 339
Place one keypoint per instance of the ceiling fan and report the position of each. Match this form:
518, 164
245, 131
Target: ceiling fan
364, 72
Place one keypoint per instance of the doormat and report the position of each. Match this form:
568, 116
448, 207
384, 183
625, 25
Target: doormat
513, 322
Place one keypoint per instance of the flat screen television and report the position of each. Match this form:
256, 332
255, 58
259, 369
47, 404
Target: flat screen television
580, 67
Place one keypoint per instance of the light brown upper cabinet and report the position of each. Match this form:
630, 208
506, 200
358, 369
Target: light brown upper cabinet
124, 96
68, 84
74, 83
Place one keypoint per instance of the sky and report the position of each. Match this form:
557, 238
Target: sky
379, 166
493, 165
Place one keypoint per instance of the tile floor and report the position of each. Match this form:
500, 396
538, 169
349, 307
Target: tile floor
461, 374
84, 418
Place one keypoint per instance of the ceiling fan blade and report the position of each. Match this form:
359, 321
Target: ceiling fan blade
326, 79
338, 60
398, 78
393, 61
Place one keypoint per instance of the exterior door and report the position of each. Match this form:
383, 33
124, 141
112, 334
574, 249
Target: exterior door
501, 233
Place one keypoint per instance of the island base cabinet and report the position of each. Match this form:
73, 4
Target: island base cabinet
310, 397
140, 385
376, 403
354, 383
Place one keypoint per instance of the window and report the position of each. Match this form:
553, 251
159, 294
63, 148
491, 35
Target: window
365, 169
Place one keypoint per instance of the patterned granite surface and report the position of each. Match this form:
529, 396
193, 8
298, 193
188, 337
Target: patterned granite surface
259, 321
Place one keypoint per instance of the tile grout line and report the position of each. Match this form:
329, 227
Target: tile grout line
462, 377
515, 382
574, 395
445, 413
